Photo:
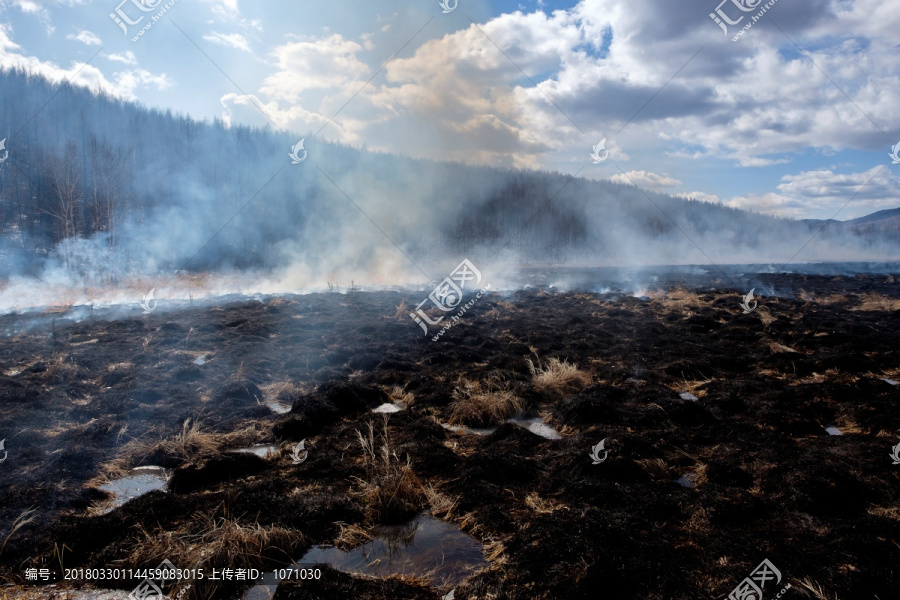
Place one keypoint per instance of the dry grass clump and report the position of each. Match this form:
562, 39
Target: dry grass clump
656, 468
442, 506
542, 506
62, 370
399, 395
351, 536
391, 490
209, 542
777, 348
477, 404
877, 302
558, 377
189, 444
679, 298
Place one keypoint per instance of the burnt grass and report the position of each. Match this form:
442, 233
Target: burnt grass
770, 482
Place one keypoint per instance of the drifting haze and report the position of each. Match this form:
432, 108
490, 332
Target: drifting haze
99, 192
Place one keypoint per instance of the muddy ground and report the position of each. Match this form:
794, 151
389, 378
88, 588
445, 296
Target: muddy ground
81, 402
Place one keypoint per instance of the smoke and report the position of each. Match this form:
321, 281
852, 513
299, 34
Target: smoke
101, 207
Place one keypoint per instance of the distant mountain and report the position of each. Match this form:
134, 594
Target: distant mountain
98, 188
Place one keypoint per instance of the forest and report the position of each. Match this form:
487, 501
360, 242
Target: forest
98, 188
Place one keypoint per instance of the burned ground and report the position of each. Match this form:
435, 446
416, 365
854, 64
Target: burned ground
82, 401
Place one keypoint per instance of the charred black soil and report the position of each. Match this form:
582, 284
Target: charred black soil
683, 386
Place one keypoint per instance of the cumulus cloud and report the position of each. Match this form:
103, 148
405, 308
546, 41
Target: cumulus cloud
231, 40
824, 194
85, 37
647, 180
123, 84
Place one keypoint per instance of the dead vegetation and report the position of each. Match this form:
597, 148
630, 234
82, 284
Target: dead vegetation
482, 404
557, 377
190, 444
390, 490
210, 541
25, 517
877, 302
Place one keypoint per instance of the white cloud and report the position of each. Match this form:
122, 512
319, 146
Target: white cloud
232, 40
646, 180
126, 57
85, 37
123, 85
827, 195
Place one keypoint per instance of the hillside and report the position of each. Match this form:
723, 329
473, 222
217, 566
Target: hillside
96, 189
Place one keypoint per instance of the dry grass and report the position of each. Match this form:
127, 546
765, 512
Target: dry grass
442, 506
190, 444
679, 298
399, 395
477, 404
816, 589
390, 490
209, 541
877, 302
351, 536
62, 370
887, 512
271, 391
777, 348
542, 506
657, 468
25, 517
558, 377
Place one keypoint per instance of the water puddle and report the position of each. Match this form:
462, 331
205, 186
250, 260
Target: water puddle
277, 407
833, 431
261, 450
468, 430
688, 480
423, 547
387, 408
891, 381
688, 396
200, 360
136, 483
535, 425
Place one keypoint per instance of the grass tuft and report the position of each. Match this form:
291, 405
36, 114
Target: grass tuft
391, 490
477, 404
558, 377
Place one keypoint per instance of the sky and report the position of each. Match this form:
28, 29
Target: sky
794, 117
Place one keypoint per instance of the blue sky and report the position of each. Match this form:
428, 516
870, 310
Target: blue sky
685, 110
